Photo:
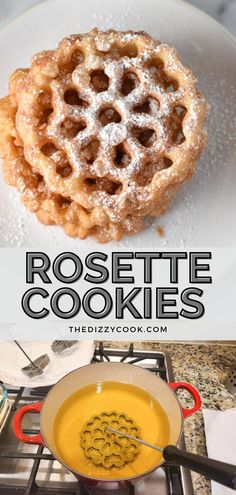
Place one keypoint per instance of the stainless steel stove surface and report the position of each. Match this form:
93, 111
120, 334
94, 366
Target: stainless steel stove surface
32, 470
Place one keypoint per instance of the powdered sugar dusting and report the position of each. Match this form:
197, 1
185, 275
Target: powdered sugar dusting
114, 134
12, 227
118, 79
220, 147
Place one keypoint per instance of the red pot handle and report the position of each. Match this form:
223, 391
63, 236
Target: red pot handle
193, 392
33, 439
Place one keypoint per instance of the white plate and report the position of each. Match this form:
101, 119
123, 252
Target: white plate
12, 360
202, 211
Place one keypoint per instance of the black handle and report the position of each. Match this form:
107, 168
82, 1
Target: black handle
223, 473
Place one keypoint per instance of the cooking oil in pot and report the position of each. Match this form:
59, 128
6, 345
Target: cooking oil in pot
120, 399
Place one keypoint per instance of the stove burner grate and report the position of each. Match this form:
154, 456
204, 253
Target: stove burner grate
178, 480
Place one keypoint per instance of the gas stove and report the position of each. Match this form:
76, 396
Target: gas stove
32, 470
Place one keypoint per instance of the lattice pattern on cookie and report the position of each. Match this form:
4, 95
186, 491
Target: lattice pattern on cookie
111, 122
105, 448
52, 208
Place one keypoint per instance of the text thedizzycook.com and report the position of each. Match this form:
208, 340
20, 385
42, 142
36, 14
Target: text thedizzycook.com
120, 285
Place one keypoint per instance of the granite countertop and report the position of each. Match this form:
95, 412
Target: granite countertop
204, 366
